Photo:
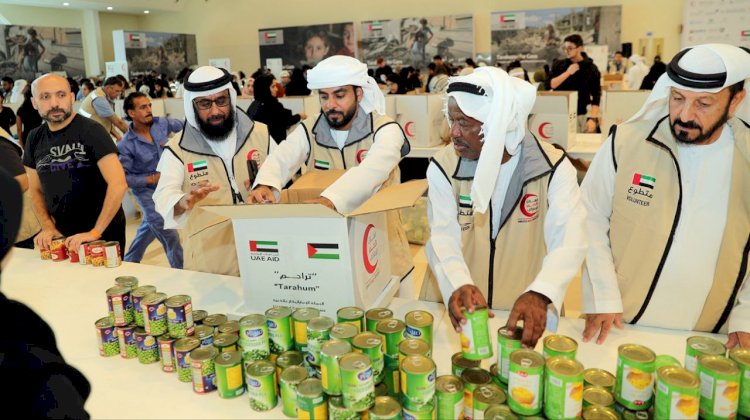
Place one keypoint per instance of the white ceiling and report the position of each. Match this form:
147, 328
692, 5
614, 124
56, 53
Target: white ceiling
118, 6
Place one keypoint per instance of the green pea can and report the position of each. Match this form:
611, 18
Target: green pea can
352, 315
392, 376
412, 346
205, 334
155, 313
508, 341
499, 412
449, 391
741, 356
289, 379
634, 386
126, 339
720, 387
198, 316
677, 393
411, 411
337, 410
371, 344
559, 345
418, 374
375, 315
260, 378
120, 306
357, 385
330, 374
226, 343
311, 401
300, 318
472, 378
701, 346
385, 408
563, 388
230, 381
230, 327
459, 363
180, 316
182, 349
485, 396
392, 331
318, 332
127, 281
663, 360
106, 336
598, 377
279, 322
287, 359
136, 296
475, 334
147, 348
203, 369
419, 326
596, 395
254, 338
598, 412
526, 382
166, 352
214, 320
344, 331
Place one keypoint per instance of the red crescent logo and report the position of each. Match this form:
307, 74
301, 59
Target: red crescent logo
542, 130
361, 155
407, 129
253, 155
529, 205
366, 239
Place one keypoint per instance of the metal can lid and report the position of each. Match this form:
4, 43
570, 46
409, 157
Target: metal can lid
719, 364
165, 338
706, 345
129, 327
354, 362
459, 360
104, 323
678, 377
199, 315
598, 412
560, 343
476, 376
305, 314
418, 319
154, 298
499, 412
449, 384
140, 331
279, 312
229, 327
186, 344
335, 348
411, 346
203, 353
596, 395
320, 323
228, 358
293, 374
494, 370
350, 313
225, 340
111, 243
563, 366
417, 364
599, 377
290, 358
117, 291
389, 326
741, 356
636, 353
142, 291
379, 314
367, 340
336, 402
215, 319
310, 388
385, 407
527, 358
489, 394
127, 281
261, 368
177, 300
202, 331
251, 321
507, 334
344, 330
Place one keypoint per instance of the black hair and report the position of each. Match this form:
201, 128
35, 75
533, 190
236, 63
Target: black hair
574, 39
437, 57
618, 52
8, 79
129, 103
114, 80
735, 89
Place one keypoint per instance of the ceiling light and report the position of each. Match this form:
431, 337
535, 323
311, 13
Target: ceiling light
109, 7
66, 4
145, 11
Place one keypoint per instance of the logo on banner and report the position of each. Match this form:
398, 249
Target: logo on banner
546, 130
375, 26
319, 251
271, 37
640, 191
361, 155
264, 250
529, 207
322, 165
370, 249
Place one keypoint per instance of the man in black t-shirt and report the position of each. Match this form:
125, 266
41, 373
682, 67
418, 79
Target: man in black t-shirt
75, 177
7, 117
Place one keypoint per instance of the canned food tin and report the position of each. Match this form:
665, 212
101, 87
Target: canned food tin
279, 323
106, 336
330, 374
73, 255
300, 318
182, 349
198, 316
120, 306
449, 390
560, 345
166, 352
344, 332
130, 282
289, 379
96, 250
499, 412
634, 386
392, 331
58, 251
508, 341
214, 320
472, 378
475, 334
337, 410
598, 377
525, 382
137, 295
45, 254
700, 346
741, 356
412, 346
230, 381
147, 348
418, 412
230, 327
155, 313
419, 326
375, 315
720, 387
287, 359
628, 414
663, 360
205, 335
311, 402
418, 379
180, 316
485, 396
596, 395
84, 254
318, 332
352, 315
677, 393
254, 337
459, 363
204, 369
126, 339
385, 408
597, 412
381, 390
392, 377
371, 344
112, 257
261, 385
357, 384
563, 388
226, 343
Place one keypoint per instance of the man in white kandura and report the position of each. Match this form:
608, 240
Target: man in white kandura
504, 209
668, 200
353, 133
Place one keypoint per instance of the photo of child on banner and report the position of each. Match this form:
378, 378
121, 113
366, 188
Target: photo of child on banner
307, 45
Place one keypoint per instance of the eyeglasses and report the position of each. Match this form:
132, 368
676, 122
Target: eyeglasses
204, 104
573, 48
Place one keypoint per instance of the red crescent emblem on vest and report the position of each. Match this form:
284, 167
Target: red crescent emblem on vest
253, 155
361, 155
529, 205
369, 240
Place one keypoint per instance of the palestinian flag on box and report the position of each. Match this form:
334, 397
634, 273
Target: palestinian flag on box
507, 17
644, 180
200, 165
322, 165
271, 247
322, 251
464, 201
375, 26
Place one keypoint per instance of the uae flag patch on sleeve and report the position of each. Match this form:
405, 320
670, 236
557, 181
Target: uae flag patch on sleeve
200, 165
322, 251
643, 180
322, 165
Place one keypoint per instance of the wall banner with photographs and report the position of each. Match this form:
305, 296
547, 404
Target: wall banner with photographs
536, 36
29, 51
300, 45
164, 52
414, 41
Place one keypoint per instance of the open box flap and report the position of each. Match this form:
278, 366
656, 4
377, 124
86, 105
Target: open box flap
393, 197
273, 211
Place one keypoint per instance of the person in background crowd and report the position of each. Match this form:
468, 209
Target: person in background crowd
268, 110
99, 106
140, 150
16, 95
179, 82
540, 76
618, 64
86, 88
297, 85
637, 72
470, 63
285, 77
382, 71
667, 201
657, 69
7, 88
515, 69
439, 80
161, 89
236, 85
12, 163
27, 118
396, 85
280, 91
76, 181
74, 87
7, 117
408, 79
82, 93
316, 47
348, 41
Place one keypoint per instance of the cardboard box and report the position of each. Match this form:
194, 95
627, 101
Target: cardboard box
619, 105
420, 116
554, 117
307, 255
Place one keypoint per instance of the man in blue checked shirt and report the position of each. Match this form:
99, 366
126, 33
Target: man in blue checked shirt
140, 150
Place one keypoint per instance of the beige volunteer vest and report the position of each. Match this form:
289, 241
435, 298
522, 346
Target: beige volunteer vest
208, 242
646, 213
325, 155
88, 111
504, 267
